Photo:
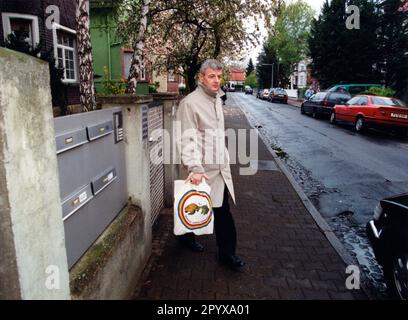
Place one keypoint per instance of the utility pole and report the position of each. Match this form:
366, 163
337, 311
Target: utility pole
270, 64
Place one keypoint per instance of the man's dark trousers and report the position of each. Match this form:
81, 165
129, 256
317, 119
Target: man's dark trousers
224, 229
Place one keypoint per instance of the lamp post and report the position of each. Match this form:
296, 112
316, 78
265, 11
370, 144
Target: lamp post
270, 64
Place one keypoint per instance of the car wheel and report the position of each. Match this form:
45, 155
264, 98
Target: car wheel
396, 276
333, 118
359, 125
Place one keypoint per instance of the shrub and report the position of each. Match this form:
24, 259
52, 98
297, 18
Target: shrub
386, 92
112, 87
153, 87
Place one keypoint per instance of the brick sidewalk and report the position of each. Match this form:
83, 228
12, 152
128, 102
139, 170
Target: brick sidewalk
287, 255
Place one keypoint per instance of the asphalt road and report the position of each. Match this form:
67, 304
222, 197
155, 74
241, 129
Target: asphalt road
343, 173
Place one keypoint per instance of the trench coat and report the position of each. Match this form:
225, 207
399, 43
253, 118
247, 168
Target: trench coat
202, 142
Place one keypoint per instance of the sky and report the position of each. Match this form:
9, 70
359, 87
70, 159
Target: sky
315, 4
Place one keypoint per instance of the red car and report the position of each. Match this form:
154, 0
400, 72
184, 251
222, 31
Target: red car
373, 111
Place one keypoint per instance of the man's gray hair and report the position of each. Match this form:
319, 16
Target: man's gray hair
211, 64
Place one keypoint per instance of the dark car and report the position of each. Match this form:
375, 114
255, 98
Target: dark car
249, 90
322, 103
259, 93
278, 95
388, 234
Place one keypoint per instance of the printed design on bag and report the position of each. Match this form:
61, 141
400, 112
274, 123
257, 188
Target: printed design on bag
194, 209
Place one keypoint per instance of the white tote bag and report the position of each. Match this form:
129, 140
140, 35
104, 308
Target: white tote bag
192, 208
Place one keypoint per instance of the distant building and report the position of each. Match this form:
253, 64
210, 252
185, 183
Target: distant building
236, 77
299, 78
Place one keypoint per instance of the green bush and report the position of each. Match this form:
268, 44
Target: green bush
153, 87
251, 80
112, 87
385, 92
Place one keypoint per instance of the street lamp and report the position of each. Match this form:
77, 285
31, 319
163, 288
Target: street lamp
270, 64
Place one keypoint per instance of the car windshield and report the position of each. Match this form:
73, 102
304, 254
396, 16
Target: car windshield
318, 96
392, 102
280, 91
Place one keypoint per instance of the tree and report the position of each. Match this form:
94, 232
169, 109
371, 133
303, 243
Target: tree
134, 13
289, 35
267, 57
393, 46
84, 47
251, 80
250, 67
341, 55
183, 33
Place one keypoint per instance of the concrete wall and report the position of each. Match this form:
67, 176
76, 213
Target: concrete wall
112, 266
33, 259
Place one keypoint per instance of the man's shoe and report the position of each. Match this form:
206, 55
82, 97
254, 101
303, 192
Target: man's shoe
232, 261
193, 246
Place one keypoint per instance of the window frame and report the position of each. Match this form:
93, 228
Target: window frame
142, 75
7, 16
171, 75
55, 27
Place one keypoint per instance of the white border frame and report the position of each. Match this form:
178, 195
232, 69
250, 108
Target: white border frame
55, 27
5, 16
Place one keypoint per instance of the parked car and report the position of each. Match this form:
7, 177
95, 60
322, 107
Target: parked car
278, 95
265, 94
388, 235
373, 111
249, 90
353, 89
322, 103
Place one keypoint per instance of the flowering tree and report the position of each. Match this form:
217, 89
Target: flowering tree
181, 34
404, 6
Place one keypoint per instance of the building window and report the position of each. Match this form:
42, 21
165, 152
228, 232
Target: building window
127, 56
21, 23
171, 76
65, 52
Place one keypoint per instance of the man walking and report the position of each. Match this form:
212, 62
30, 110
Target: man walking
205, 156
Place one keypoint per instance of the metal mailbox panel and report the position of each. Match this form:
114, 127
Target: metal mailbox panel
70, 140
78, 199
100, 130
103, 180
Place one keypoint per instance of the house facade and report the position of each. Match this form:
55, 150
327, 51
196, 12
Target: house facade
302, 76
50, 24
112, 59
236, 77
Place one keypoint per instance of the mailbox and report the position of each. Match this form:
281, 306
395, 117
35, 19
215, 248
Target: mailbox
70, 140
76, 201
100, 130
103, 180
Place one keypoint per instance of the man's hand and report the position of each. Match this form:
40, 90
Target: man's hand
196, 178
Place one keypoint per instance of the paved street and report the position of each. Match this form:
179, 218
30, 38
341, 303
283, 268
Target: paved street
343, 173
